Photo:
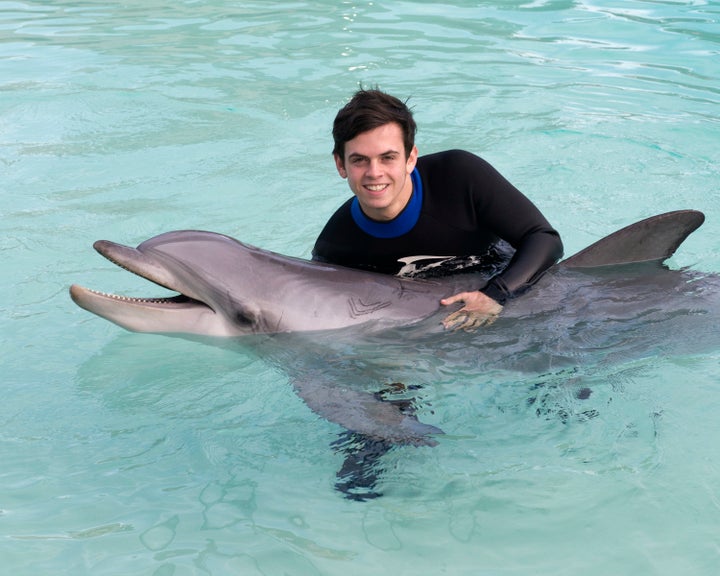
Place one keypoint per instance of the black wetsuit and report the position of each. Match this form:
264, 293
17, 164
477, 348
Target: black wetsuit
461, 210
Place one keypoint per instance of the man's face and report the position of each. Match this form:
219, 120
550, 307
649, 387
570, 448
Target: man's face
378, 172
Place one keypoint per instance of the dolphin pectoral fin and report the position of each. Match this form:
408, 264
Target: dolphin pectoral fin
364, 413
655, 238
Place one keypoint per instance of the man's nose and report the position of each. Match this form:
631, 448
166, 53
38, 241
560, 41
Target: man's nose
374, 168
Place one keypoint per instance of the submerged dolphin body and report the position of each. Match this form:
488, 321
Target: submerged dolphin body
229, 289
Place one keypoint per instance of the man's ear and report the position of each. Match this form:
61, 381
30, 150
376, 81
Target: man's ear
412, 159
340, 165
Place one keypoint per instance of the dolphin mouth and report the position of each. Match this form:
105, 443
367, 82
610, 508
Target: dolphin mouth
141, 264
178, 301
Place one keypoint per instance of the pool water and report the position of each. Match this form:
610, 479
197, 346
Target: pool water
128, 453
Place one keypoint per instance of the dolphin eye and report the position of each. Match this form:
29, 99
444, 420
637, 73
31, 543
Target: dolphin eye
243, 319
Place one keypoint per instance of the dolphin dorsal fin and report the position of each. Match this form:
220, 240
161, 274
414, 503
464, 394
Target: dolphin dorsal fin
655, 238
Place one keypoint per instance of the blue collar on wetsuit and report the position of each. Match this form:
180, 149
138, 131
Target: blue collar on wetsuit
401, 224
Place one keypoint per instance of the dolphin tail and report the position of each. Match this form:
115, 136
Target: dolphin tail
362, 466
364, 413
655, 238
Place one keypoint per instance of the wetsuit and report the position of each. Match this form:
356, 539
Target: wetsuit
461, 210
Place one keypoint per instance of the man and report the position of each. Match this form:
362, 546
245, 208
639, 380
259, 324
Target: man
448, 209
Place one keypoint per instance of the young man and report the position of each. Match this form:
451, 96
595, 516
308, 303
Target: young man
446, 210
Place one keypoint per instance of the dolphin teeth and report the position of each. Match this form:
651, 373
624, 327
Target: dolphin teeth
133, 299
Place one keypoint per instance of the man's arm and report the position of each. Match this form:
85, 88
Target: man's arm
532, 258
510, 215
527, 266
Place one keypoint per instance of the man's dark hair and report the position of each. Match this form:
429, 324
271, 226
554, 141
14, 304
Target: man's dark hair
370, 109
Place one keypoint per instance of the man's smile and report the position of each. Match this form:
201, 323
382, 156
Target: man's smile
376, 187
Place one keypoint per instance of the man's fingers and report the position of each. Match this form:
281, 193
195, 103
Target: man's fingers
455, 320
467, 320
491, 319
452, 300
479, 310
473, 324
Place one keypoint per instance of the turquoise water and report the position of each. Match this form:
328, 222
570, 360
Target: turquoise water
135, 454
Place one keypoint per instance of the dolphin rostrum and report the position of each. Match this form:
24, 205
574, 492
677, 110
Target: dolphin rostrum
229, 289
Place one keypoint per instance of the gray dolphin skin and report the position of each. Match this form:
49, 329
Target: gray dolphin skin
229, 289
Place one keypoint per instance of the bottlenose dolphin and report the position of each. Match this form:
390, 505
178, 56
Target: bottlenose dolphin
611, 296
228, 288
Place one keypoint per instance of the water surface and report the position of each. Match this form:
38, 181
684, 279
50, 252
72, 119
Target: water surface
137, 454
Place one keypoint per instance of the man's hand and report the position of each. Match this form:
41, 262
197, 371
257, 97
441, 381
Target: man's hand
479, 310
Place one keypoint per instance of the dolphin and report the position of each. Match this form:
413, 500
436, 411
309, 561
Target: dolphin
227, 289
230, 289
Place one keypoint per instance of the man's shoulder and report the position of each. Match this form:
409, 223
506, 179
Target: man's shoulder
452, 154
446, 159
